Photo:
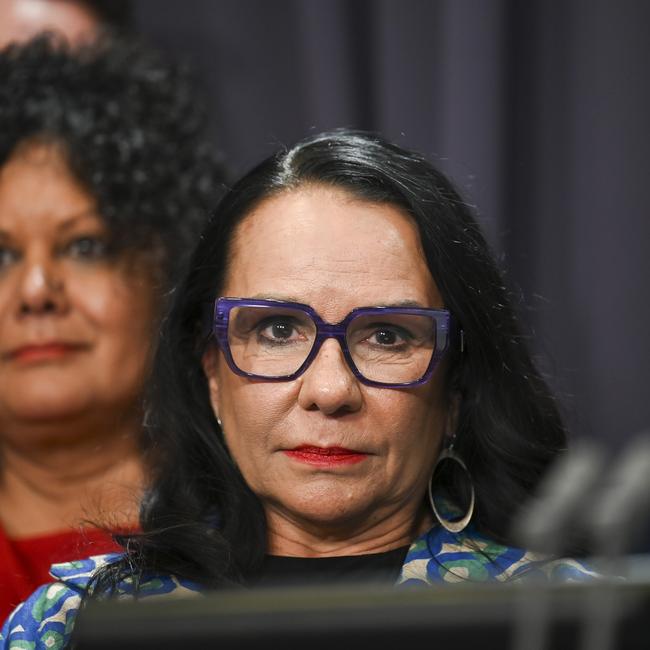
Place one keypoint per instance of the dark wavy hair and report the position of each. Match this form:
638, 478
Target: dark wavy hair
130, 128
199, 519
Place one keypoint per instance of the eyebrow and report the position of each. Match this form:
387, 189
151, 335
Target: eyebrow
283, 298
276, 296
74, 219
69, 223
403, 303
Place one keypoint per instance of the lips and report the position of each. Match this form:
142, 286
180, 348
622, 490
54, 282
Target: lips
48, 351
325, 456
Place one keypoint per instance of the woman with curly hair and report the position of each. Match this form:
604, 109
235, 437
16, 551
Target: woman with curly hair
104, 182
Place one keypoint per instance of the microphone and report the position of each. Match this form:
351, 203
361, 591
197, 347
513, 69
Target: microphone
580, 498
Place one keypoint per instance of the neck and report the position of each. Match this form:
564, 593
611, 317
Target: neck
64, 478
292, 538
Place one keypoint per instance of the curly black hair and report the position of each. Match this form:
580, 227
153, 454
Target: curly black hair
131, 129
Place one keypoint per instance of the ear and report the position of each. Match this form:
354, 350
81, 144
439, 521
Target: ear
209, 363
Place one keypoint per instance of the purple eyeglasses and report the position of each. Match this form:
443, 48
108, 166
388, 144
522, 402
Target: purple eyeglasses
392, 347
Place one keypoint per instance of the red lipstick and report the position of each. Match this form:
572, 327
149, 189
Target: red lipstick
43, 352
325, 456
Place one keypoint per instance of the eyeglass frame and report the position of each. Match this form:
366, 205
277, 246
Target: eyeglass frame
445, 323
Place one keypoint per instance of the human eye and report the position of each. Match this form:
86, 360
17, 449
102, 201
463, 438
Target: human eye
87, 248
389, 336
7, 256
279, 330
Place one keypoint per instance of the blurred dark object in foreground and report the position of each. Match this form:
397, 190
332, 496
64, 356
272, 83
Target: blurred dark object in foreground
485, 616
591, 501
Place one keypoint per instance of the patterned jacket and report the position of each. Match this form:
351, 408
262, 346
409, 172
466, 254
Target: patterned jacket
45, 620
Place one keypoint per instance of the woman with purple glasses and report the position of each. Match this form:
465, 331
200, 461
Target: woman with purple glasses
341, 392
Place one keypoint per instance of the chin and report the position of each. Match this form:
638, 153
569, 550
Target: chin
332, 512
46, 403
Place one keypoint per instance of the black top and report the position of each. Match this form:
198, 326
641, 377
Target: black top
374, 568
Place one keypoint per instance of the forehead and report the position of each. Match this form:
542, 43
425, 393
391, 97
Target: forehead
23, 19
327, 248
38, 191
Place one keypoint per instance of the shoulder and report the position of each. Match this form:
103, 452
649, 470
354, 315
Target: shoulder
440, 556
45, 620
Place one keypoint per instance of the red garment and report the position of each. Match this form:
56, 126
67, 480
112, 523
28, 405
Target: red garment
25, 563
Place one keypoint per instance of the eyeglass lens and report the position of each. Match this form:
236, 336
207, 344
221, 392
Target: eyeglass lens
389, 347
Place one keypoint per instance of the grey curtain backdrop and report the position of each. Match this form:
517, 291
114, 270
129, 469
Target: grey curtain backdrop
537, 108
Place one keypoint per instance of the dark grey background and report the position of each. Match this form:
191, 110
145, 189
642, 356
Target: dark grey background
537, 108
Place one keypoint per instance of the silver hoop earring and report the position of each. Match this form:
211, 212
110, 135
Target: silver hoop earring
452, 525
219, 422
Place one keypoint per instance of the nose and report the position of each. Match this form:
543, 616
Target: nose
41, 287
329, 385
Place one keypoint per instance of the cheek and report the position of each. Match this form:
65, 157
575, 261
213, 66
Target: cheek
415, 423
250, 410
245, 430
121, 320
6, 309
122, 314
252, 414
